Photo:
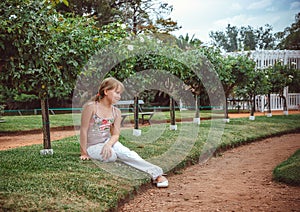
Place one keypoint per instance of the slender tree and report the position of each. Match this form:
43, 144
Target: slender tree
233, 72
280, 76
265, 37
187, 43
227, 40
248, 38
255, 84
290, 37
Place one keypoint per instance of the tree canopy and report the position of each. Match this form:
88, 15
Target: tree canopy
42, 51
139, 15
45, 52
290, 37
243, 38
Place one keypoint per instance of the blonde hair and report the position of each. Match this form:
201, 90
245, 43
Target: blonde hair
109, 83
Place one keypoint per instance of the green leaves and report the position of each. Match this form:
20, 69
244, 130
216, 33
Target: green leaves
40, 46
56, 2
280, 76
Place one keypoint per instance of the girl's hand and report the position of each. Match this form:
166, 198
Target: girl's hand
106, 152
84, 157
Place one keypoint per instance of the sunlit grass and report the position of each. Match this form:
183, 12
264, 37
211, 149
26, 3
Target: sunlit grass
62, 181
289, 171
33, 122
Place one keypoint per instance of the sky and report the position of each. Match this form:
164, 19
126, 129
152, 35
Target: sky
199, 17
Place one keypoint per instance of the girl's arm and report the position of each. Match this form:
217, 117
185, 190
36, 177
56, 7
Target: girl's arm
86, 115
115, 134
116, 128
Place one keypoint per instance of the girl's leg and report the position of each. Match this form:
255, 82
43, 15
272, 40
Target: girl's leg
94, 152
131, 158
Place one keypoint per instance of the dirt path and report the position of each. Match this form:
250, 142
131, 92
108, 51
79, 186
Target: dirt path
13, 141
239, 180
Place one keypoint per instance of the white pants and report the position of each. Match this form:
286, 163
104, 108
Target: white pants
131, 158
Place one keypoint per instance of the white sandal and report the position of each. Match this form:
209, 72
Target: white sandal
163, 184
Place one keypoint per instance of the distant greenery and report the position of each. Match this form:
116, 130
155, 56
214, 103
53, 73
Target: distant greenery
289, 171
62, 182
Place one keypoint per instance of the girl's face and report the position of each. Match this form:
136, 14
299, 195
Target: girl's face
114, 95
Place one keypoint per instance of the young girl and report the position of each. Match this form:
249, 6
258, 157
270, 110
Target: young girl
100, 130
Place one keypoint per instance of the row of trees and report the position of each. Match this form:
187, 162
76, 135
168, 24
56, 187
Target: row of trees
248, 38
90, 19
43, 52
70, 34
195, 66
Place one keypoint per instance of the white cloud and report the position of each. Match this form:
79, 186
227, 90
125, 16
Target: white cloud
271, 9
295, 5
238, 20
199, 17
245, 20
236, 6
259, 4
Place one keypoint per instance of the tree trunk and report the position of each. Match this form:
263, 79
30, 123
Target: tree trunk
172, 111
284, 103
269, 103
252, 101
136, 112
197, 103
226, 109
46, 122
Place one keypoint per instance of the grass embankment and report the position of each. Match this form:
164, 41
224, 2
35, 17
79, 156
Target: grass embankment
59, 182
289, 171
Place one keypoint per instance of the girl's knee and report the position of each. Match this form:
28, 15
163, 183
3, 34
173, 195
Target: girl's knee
112, 158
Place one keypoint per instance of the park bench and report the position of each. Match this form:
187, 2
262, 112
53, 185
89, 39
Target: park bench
128, 106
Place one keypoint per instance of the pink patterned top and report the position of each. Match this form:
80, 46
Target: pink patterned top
99, 129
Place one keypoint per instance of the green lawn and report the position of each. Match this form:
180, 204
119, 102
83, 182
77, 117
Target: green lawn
289, 171
60, 182
32, 122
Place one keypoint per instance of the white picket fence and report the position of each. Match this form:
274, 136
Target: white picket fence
293, 102
266, 58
